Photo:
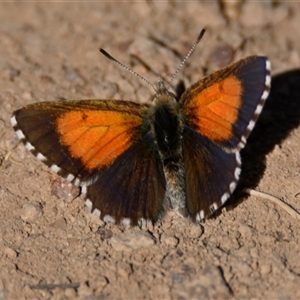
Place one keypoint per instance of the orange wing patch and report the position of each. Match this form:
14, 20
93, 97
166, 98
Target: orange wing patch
216, 108
96, 137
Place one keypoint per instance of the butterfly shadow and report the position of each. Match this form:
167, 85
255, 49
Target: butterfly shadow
281, 114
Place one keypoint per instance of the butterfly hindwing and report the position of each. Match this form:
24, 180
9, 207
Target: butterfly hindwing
131, 189
219, 112
211, 174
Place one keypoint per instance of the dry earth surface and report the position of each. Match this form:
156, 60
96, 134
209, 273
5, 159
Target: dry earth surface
51, 247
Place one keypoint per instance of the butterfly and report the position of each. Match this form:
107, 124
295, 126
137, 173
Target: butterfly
135, 161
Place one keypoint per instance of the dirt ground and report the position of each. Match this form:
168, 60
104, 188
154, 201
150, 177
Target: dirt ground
51, 247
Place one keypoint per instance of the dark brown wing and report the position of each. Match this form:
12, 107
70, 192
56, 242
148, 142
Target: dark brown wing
77, 138
225, 105
211, 174
220, 111
132, 188
99, 145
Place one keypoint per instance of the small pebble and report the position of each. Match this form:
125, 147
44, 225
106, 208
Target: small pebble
70, 293
194, 231
28, 228
104, 233
27, 95
60, 224
232, 9
84, 291
128, 241
10, 252
169, 240
245, 231
30, 212
265, 269
221, 56
63, 189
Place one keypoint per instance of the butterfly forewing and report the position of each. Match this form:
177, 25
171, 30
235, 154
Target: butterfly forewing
77, 138
225, 105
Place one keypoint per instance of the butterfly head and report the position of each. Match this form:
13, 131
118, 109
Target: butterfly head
163, 94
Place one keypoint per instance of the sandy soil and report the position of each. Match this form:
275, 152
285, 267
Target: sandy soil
52, 248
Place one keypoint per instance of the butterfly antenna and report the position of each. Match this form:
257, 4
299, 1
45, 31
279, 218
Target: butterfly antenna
187, 56
126, 68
